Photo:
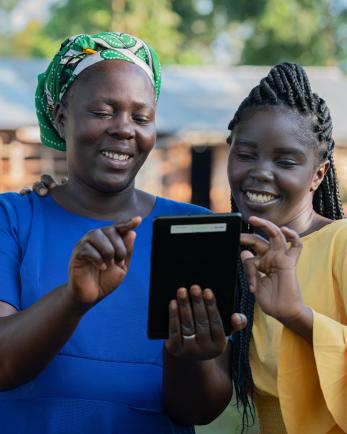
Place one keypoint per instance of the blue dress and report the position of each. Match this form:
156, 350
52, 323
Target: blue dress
107, 378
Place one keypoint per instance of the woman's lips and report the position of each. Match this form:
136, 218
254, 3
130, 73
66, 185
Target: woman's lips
259, 199
117, 160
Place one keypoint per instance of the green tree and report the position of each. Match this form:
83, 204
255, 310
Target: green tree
311, 32
197, 31
33, 41
153, 20
305, 31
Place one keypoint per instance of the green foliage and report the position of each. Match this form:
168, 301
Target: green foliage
153, 20
188, 31
33, 41
298, 30
8, 5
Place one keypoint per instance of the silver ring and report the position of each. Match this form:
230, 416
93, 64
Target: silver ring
193, 336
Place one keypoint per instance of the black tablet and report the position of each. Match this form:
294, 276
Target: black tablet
186, 250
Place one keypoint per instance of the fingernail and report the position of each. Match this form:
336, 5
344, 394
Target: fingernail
173, 304
195, 290
208, 294
182, 293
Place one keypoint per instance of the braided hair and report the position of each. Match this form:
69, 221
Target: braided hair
286, 85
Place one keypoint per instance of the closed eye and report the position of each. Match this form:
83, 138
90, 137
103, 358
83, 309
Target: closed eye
287, 164
243, 156
102, 114
142, 120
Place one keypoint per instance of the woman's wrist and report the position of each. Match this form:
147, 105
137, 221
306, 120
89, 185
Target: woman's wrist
71, 303
301, 323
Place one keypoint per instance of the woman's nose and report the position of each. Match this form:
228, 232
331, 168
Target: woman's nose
262, 171
121, 126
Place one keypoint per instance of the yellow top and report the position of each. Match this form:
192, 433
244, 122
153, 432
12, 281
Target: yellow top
302, 389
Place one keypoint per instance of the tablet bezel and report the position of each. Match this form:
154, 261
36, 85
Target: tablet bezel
161, 227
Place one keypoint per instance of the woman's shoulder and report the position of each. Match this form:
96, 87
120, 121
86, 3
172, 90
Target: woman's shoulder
334, 233
15, 203
166, 206
16, 215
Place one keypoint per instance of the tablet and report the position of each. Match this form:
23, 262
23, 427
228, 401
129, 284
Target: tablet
187, 250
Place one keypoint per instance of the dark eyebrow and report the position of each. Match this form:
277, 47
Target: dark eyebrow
245, 142
138, 105
293, 151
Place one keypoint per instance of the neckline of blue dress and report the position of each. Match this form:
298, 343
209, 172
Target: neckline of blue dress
55, 204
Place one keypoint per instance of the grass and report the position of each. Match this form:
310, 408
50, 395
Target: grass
227, 423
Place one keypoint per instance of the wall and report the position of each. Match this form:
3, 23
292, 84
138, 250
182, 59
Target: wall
165, 173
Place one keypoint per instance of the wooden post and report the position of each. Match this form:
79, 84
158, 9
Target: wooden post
201, 175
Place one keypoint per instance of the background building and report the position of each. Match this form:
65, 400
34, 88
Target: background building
194, 109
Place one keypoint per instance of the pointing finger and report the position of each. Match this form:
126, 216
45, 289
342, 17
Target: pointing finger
129, 225
273, 232
129, 240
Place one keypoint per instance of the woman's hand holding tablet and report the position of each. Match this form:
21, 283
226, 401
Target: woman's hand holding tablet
195, 326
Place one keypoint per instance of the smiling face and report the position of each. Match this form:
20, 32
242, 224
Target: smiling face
273, 166
108, 123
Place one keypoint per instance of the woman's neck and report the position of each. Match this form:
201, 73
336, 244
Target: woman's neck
84, 200
307, 222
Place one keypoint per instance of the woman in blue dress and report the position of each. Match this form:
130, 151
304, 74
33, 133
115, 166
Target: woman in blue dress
74, 356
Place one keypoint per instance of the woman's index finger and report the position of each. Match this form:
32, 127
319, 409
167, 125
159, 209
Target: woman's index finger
272, 231
129, 225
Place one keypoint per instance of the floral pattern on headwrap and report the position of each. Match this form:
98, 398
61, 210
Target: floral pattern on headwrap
75, 55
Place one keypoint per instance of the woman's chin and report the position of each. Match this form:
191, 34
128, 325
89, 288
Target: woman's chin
113, 186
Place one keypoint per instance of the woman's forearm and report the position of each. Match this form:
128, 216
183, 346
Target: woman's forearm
196, 392
302, 324
31, 338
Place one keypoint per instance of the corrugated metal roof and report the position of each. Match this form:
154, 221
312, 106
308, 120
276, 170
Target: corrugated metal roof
192, 98
18, 79
205, 99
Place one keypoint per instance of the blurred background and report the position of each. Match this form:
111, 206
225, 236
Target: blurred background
213, 52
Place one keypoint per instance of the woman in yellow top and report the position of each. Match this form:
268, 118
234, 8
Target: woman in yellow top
292, 357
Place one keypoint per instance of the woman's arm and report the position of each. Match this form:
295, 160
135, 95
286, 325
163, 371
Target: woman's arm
271, 275
31, 338
197, 376
196, 392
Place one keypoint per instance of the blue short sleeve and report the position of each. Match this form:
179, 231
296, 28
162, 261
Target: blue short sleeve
10, 253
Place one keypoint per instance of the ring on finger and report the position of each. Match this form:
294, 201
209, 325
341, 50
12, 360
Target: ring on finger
187, 337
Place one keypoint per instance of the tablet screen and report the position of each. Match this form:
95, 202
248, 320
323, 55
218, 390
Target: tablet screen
200, 249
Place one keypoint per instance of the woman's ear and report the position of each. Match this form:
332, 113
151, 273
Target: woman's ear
59, 119
319, 175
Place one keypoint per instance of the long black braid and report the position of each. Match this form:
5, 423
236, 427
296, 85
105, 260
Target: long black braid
286, 84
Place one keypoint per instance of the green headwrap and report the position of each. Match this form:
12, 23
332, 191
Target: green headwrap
78, 53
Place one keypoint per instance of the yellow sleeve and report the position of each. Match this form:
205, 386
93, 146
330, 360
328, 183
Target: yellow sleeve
302, 402
312, 380
330, 353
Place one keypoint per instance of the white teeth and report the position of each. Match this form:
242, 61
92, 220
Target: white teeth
262, 198
115, 156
